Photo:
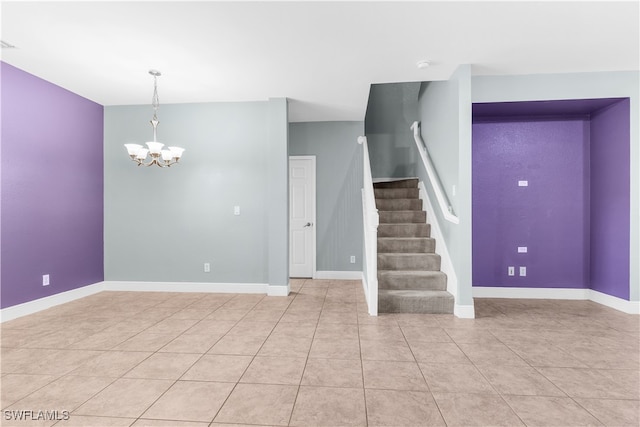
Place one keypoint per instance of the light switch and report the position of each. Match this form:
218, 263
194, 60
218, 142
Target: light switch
236, 210
522, 249
523, 183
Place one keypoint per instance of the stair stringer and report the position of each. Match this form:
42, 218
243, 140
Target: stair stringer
446, 266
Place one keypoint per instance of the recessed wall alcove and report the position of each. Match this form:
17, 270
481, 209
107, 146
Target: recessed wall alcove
552, 176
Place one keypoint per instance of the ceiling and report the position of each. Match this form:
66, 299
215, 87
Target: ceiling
323, 56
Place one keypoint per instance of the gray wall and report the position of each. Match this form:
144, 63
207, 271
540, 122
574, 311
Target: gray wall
439, 123
338, 189
163, 224
581, 86
277, 203
445, 116
391, 110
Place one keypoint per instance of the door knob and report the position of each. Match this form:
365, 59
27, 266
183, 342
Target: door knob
309, 224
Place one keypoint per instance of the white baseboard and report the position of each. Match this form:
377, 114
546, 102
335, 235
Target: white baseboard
339, 275
372, 306
34, 306
629, 307
464, 311
365, 287
278, 291
40, 304
231, 288
446, 264
530, 293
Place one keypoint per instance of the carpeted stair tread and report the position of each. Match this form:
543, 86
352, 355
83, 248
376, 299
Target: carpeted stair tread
406, 245
401, 261
399, 204
404, 230
402, 217
414, 301
396, 193
412, 280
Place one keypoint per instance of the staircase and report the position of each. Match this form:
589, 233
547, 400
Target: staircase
409, 276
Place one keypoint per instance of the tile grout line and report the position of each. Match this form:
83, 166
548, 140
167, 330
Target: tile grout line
364, 389
122, 376
158, 352
249, 364
423, 376
295, 400
68, 374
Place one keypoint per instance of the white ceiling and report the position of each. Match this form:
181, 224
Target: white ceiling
323, 56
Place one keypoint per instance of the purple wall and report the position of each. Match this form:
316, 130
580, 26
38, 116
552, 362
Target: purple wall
550, 216
578, 150
610, 187
51, 188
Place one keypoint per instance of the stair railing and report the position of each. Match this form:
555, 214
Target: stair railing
434, 179
370, 221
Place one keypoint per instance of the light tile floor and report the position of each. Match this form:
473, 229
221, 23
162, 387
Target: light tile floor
316, 358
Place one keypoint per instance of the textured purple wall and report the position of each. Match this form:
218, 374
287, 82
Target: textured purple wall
610, 136
550, 216
52, 188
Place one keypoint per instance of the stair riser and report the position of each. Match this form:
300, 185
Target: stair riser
402, 217
399, 204
428, 262
406, 183
437, 282
414, 246
404, 230
396, 193
431, 305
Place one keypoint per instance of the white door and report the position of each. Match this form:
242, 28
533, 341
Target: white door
302, 216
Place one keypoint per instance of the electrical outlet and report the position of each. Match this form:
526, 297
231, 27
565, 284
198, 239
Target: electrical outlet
512, 271
236, 210
207, 267
522, 249
45, 280
352, 260
523, 271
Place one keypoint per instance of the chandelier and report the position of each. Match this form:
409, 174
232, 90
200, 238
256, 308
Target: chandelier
157, 156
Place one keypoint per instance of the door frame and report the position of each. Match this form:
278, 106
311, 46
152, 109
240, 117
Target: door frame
313, 208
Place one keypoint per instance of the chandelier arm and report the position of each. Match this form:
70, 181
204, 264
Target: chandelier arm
154, 161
